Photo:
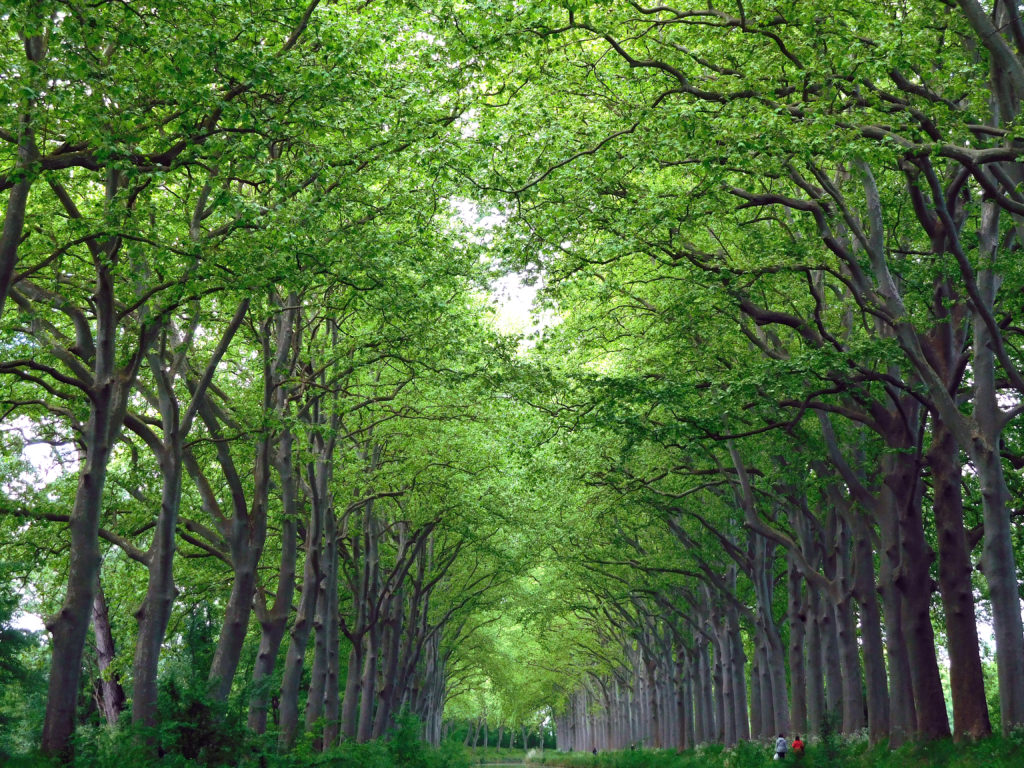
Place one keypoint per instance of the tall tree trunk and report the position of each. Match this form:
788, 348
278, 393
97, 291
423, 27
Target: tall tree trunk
875, 675
970, 709
997, 560
246, 530
815, 663
738, 663
706, 698
273, 623
915, 585
110, 389
69, 625
301, 628
797, 669
830, 658
331, 681
723, 672
757, 723
369, 684
350, 702
389, 680
903, 716
154, 614
846, 631
108, 693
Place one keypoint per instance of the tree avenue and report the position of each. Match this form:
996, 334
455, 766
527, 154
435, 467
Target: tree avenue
278, 481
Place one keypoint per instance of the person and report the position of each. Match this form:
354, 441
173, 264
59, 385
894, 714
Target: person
798, 748
780, 747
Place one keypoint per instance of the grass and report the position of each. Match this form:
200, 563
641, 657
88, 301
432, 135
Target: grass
994, 752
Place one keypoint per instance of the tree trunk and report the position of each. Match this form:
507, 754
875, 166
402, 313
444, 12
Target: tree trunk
107, 406
846, 632
155, 612
815, 663
369, 685
301, 628
331, 682
970, 709
998, 561
389, 680
706, 700
875, 675
797, 670
350, 702
915, 585
272, 627
107, 692
24, 169
756, 717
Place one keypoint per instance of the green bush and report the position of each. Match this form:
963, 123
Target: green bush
196, 727
829, 752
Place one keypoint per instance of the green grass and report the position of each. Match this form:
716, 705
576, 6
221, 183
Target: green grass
994, 752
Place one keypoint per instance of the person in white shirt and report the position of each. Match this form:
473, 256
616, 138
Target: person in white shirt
780, 747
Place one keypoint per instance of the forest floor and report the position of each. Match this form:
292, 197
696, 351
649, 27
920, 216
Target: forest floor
994, 752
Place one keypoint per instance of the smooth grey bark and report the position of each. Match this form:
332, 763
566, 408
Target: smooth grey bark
947, 354
689, 724
154, 614
980, 433
725, 706
107, 691
764, 685
371, 594
903, 716
797, 630
274, 621
970, 709
737, 663
350, 701
718, 696
389, 677
246, 530
759, 566
332, 631
827, 631
997, 560
915, 584
291, 680
319, 475
763, 576
707, 702
815, 663
853, 705
109, 387
757, 725
875, 674
864, 583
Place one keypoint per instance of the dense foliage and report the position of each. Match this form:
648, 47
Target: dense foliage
284, 487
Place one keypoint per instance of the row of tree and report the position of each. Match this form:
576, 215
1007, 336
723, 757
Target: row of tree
758, 467
783, 243
237, 305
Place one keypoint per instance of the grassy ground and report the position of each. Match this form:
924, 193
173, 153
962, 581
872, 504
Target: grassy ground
995, 752
504, 755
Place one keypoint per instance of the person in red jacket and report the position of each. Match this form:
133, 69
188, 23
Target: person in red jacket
798, 748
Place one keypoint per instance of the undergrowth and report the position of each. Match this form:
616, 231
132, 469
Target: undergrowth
993, 752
